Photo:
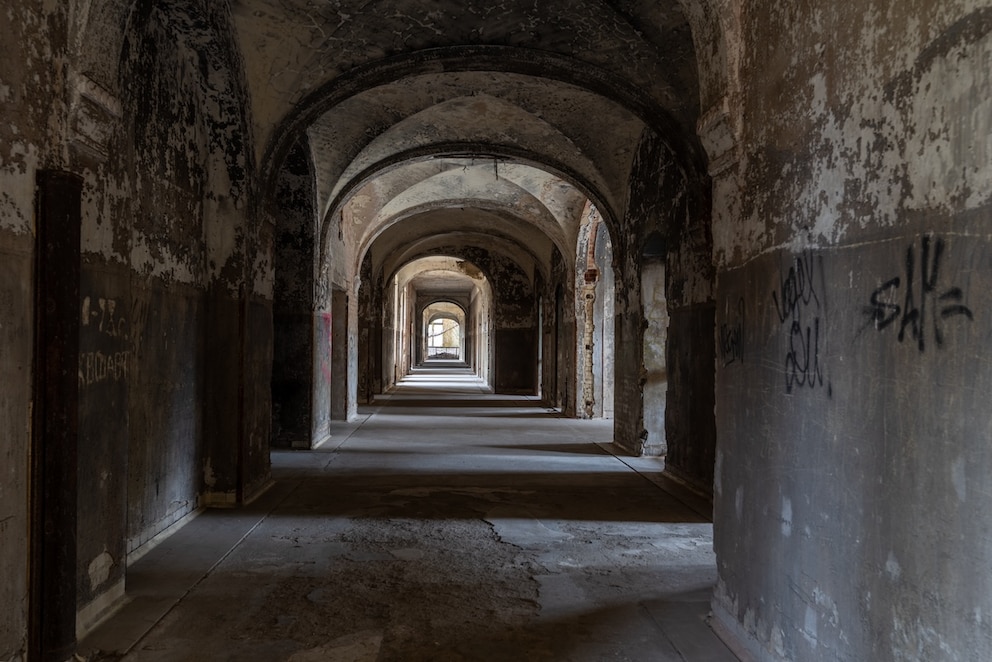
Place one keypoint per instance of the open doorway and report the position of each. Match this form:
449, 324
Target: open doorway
444, 337
440, 311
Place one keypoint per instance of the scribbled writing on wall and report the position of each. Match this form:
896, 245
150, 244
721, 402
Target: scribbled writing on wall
97, 367
926, 304
732, 337
104, 333
799, 308
103, 316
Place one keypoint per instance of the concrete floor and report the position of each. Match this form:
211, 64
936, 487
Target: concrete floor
445, 524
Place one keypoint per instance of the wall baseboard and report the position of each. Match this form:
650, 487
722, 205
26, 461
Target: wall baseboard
135, 552
730, 632
105, 605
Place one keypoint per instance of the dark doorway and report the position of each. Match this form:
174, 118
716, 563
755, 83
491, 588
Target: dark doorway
56, 418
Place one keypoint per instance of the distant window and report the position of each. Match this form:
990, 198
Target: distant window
444, 340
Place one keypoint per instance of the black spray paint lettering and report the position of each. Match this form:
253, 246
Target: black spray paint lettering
798, 305
802, 362
925, 306
797, 289
732, 338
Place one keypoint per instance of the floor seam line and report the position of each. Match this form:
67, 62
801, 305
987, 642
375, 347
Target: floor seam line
674, 495
664, 632
334, 452
210, 570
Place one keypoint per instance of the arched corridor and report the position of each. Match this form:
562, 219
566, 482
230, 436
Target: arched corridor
444, 523
747, 242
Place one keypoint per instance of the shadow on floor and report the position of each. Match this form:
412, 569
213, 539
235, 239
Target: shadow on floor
429, 534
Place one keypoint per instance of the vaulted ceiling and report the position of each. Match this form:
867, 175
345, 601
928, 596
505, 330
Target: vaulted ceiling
469, 119
514, 112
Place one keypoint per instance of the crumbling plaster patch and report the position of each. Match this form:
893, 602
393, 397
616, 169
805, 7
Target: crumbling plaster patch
99, 570
30, 109
17, 170
104, 206
97, 37
846, 145
32, 121
176, 200
866, 125
716, 36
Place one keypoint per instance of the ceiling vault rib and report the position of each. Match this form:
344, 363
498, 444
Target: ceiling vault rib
479, 151
484, 58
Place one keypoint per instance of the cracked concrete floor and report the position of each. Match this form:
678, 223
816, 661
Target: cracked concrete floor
445, 524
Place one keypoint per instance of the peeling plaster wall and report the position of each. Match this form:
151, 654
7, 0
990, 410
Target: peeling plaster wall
106, 375
665, 201
170, 245
349, 333
33, 36
629, 426
586, 322
853, 485
143, 230
238, 261
690, 432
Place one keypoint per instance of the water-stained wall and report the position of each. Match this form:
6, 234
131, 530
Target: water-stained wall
149, 109
167, 219
853, 473
30, 37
